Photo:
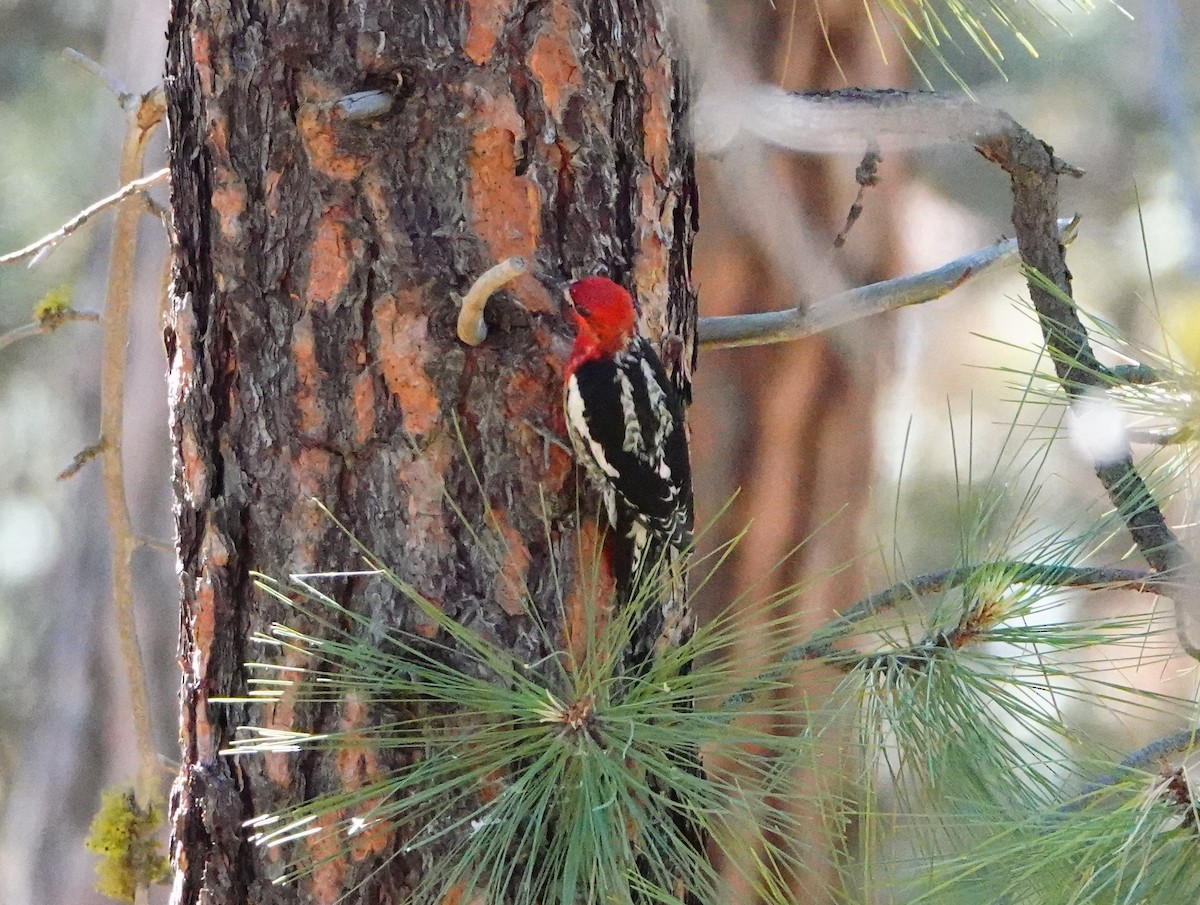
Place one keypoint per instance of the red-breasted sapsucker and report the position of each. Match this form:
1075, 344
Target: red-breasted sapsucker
626, 423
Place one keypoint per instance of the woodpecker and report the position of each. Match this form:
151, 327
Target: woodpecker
625, 419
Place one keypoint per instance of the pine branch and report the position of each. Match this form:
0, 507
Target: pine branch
1034, 171
795, 323
821, 646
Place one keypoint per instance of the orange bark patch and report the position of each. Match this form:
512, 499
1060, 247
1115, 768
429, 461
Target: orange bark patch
553, 62
271, 191
282, 716
424, 477
403, 349
527, 393
202, 57
589, 602
311, 471
218, 139
203, 629
658, 88
309, 378
358, 766
657, 203
310, 478
204, 731
487, 21
329, 258
560, 464
364, 407
329, 871
514, 567
195, 474
504, 206
319, 137
214, 555
228, 200
653, 258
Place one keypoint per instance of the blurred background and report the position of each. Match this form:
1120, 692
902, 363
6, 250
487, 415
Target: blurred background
850, 432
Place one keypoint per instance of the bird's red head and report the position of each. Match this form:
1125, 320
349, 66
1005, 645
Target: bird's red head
604, 317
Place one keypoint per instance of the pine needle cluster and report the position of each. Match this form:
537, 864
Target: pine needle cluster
562, 781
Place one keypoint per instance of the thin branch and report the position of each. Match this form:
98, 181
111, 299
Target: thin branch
81, 459
471, 328
47, 243
158, 546
1184, 742
1107, 578
124, 96
837, 122
867, 176
141, 122
795, 323
46, 325
821, 645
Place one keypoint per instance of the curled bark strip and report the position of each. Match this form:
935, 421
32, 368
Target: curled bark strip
471, 328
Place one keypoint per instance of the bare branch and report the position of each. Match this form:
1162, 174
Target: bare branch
47, 243
141, 122
833, 122
1034, 172
46, 325
124, 96
794, 323
81, 459
471, 328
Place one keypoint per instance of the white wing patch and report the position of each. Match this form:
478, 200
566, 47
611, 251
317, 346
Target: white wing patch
587, 449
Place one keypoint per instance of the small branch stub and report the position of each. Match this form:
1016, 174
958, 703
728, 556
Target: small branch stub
471, 328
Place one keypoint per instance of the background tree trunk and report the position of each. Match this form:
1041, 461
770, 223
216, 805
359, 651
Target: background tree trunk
790, 427
312, 344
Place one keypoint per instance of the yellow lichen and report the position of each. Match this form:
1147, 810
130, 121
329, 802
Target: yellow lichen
52, 306
122, 834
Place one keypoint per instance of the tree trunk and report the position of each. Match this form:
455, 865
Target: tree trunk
312, 336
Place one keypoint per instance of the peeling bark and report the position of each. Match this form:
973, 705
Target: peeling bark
312, 338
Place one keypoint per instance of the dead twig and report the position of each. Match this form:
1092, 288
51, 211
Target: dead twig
43, 246
46, 325
867, 176
142, 121
81, 459
794, 323
124, 96
1034, 172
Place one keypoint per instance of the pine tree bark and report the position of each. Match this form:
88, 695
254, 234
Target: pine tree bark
312, 336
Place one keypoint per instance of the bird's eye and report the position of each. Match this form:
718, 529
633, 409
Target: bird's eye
583, 312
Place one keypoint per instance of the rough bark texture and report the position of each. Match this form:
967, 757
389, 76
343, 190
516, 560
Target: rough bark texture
312, 337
